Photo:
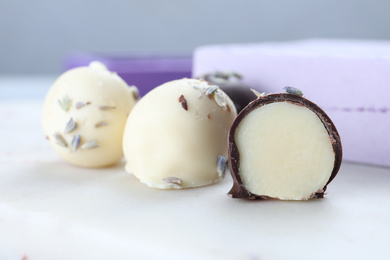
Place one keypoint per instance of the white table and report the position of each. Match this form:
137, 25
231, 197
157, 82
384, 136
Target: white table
52, 210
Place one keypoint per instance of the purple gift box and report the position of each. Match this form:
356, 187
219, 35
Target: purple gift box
349, 79
145, 71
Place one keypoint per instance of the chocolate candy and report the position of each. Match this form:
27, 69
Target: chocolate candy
84, 115
283, 146
231, 83
176, 136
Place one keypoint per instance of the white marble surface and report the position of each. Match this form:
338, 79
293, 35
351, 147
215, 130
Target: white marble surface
52, 210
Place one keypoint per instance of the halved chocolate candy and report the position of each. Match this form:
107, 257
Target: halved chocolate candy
283, 146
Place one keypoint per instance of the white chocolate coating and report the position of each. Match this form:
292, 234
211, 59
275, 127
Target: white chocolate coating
98, 101
169, 147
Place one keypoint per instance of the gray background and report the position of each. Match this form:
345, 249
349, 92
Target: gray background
37, 35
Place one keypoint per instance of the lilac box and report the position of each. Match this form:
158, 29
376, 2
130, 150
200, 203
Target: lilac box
146, 71
349, 79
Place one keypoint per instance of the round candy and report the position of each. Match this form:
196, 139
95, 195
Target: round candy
231, 83
283, 146
176, 136
84, 115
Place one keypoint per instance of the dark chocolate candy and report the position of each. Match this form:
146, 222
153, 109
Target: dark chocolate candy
233, 86
239, 190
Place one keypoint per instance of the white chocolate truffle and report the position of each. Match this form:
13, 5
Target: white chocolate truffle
84, 115
176, 136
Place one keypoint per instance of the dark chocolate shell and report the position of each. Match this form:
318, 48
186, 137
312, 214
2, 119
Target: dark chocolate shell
239, 190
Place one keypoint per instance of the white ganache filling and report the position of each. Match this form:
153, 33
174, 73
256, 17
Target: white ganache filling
285, 152
84, 115
176, 136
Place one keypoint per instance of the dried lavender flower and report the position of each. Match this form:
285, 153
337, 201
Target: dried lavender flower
173, 181
294, 91
101, 123
82, 104
90, 145
104, 108
75, 142
65, 103
60, 140
221, 165
70, 126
